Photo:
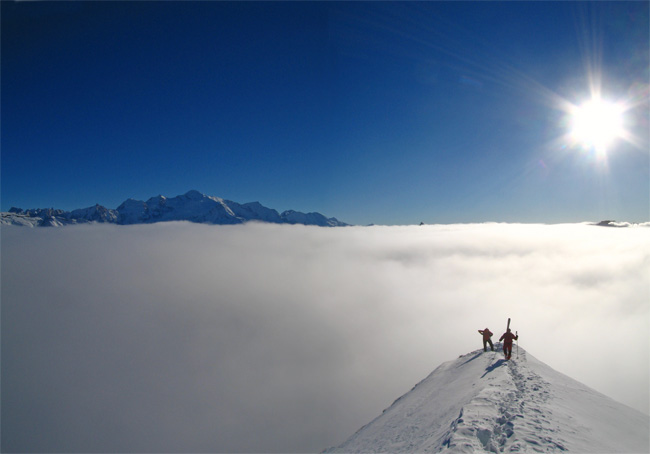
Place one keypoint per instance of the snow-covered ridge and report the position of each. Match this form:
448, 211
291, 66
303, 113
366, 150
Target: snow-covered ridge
610, 223
481, 403
192, 206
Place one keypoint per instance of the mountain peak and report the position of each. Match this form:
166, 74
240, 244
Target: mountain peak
482, 403
194, 195
192, 206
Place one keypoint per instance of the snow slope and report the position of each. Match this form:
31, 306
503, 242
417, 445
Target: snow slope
482, 403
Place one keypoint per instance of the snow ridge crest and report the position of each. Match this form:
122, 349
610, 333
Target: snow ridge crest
481, 403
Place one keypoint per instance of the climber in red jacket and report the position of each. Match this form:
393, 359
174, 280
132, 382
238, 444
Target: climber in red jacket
507, 339
487, 334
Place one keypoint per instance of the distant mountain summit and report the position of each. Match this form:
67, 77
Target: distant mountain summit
192, 206
480, 403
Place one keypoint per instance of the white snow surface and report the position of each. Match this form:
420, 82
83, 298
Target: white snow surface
481, 403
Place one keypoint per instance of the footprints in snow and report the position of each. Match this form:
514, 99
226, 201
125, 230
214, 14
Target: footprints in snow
508, 415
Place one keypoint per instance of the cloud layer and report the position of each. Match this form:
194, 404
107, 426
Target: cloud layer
180, 337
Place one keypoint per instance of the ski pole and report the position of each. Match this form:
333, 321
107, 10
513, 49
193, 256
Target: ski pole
517, 334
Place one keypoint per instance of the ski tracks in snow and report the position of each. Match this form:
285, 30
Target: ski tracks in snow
510, 414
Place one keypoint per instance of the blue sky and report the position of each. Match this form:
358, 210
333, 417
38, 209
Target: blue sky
388, 113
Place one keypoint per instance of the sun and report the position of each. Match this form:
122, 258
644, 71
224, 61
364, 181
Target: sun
596, 124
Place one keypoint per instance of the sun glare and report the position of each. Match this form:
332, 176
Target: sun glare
596, 124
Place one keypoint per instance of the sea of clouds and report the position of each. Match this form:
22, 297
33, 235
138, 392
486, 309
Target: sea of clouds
181, 337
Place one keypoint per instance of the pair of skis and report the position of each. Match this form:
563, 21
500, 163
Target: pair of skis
516, 334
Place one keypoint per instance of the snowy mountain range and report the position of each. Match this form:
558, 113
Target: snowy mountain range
481, 403
192, 206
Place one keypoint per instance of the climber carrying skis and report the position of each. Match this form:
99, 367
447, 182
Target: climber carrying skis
507, 339
487, 334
